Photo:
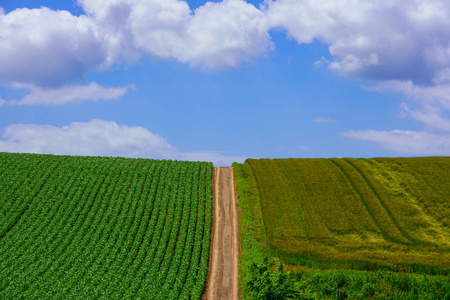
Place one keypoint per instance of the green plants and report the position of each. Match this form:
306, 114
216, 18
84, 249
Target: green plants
100, 227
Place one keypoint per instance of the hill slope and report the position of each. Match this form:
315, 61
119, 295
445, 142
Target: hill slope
103, 227
344, 228
385, 210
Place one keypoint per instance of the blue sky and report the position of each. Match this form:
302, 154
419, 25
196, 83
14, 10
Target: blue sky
225, 81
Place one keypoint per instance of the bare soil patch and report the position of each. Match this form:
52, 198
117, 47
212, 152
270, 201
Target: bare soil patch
222, 279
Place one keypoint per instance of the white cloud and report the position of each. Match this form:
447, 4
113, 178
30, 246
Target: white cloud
67, 94
430, 116
438, 94
226, 33
99, 138
215, 35
44, 47
132, 26
322, 62
405, 40
434, 102
405, 142
323, 120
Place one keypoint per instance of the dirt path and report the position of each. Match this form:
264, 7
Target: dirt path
222, 280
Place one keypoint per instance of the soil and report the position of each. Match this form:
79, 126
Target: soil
222, 279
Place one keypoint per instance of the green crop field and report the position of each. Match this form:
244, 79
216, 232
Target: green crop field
383, 214
98, 227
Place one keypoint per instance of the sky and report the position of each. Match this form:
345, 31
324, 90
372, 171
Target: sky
227, 80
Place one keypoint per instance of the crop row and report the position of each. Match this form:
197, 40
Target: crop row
103, 227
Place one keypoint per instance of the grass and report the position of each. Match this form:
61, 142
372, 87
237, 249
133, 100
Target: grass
371, 221
352, 210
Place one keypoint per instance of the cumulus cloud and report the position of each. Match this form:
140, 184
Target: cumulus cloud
405, 142
215, 35
99, 138
134, 26
44, 47
48, 48
226, 33
383, 40
66, 94
403, 40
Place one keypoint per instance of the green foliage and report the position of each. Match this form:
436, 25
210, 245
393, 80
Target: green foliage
252, 233
348, 284
267, 283
98, 227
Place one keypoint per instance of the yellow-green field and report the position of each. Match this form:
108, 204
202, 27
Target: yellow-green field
383, 211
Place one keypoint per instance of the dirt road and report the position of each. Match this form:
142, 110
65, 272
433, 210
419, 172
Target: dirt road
222, 280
